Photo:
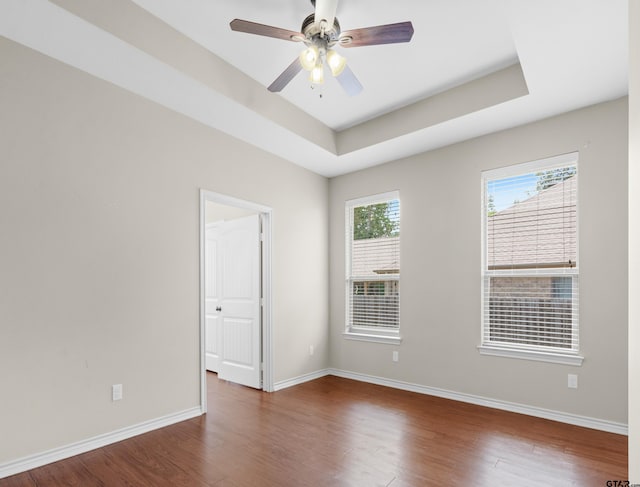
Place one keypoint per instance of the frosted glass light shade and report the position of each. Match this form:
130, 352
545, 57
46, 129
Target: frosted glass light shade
317, 74
309, 57
336, 62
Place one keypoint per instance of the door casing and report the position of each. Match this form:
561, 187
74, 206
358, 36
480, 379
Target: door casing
266, 215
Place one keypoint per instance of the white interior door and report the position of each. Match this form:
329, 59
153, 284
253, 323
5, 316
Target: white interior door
211, 288
232, 306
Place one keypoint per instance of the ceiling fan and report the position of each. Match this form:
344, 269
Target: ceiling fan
320, 32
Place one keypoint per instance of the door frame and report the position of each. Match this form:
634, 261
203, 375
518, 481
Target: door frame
266, 217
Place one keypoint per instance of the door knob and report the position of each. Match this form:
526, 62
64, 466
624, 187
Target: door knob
218, 308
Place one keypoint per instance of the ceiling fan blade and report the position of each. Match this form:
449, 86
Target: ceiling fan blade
287, 75
380, 34
239, 25
349, 82
325, 10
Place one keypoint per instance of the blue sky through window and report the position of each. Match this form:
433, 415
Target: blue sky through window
393, 210
506, 191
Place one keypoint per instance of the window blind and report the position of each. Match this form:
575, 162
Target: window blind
373, 286
530, 275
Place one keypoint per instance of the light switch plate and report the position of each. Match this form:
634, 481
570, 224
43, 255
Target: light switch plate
116, 392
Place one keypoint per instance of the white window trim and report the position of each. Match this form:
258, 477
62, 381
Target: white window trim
570, 357
564, 358
377, 335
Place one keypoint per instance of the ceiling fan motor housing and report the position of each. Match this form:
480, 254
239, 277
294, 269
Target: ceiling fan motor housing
312, 31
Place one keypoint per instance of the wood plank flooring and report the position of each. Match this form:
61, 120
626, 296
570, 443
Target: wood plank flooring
338, 432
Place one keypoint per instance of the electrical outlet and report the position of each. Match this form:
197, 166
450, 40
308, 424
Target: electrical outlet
311, 350
394, 357
572, 381
116, 392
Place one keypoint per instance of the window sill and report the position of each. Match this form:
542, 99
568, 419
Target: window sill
556, 358
368, 337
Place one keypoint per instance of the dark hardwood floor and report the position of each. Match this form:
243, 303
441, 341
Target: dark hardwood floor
338, 432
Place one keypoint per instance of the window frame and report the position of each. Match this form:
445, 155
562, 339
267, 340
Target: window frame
524, 351
362, 333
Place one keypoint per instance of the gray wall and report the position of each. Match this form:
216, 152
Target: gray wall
634, 241
99, 253
99, 201
440, 267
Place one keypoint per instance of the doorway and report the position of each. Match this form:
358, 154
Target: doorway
235, 291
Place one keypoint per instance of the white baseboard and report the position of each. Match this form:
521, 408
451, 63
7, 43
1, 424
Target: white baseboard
33, 461
283, 384
39, 459
574, 419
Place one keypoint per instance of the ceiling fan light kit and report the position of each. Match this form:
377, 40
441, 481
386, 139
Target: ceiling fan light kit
319, 40
312, 60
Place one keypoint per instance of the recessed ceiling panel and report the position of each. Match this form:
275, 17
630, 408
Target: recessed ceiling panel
447, 85
454, 41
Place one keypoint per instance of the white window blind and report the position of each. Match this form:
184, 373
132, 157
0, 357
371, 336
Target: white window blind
530, 268
373, 264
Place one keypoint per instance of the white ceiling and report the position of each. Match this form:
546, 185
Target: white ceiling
573, 53
454, 41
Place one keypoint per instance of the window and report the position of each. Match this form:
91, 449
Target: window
373, 268
530, 261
